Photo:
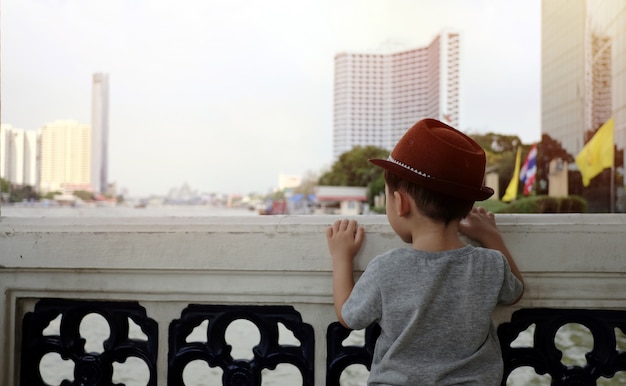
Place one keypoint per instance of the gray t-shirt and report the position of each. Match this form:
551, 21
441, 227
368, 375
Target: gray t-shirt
434, 310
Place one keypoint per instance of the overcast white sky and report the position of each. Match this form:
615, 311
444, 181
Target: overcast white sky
226, 95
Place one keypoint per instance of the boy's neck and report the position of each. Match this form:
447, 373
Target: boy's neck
435, 236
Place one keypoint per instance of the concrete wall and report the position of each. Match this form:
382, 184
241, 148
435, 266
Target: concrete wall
574, 261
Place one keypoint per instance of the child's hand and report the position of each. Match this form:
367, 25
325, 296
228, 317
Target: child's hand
344, 239
479, 225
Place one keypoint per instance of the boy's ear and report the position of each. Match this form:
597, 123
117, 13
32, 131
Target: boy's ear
403, 204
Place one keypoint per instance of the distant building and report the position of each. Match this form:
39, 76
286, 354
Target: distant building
287, 181
18, 155
100, 133
343, 200
65, 157
583, 69
378, 96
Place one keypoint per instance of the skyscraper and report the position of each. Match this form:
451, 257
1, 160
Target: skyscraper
18, 155
100, 133
378, 96
583, 69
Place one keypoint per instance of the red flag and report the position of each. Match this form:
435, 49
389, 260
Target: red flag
528, 173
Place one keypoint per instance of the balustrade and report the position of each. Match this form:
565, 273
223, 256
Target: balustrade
154, 281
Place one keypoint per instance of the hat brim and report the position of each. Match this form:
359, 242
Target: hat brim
448, 188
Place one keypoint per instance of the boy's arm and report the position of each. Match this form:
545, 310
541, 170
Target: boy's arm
344, 241
480, 225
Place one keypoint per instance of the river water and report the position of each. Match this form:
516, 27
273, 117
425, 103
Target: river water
573, 340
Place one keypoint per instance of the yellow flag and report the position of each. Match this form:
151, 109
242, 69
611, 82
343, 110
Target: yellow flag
510, 193
598, 153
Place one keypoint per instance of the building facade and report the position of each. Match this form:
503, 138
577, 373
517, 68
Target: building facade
583, 70
18, 155
378, 96
65, 157
100, 133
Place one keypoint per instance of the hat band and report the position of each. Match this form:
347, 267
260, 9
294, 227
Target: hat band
412, 169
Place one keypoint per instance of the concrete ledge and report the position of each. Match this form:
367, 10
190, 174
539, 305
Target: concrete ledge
573, 261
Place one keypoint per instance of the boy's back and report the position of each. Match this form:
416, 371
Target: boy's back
435, 310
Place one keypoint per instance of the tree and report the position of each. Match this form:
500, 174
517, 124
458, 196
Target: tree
353, 169
307, 186
549, 149
501, 151
23, 193
51, 195
497, 143
84, 195
4, 186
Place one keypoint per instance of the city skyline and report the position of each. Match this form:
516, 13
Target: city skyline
226, 97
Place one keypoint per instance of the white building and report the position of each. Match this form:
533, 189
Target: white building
342, 200
65, 151
288, 181
378, 96
18, 155
583, 69
100, 133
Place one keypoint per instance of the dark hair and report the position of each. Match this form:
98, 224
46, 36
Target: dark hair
435, 205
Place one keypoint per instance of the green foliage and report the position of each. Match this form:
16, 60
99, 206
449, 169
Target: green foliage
353, 169
501, 151
375, 188
50, 195
548, 150
23, 193
532, 204
545, 204
495, 206
84, 195
573, 204
308, 183
497, 143
4, 185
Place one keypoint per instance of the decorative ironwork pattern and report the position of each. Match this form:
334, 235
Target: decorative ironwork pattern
216, 352
604, 360
89, 368
339, 356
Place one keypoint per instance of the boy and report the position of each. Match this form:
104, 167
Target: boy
433, 301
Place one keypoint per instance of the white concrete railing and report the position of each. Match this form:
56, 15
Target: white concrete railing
568, 261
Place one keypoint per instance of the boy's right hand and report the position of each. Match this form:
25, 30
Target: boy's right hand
344, 239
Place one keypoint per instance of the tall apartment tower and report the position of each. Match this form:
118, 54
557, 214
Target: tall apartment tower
18, 155
378, 96
100, 133
583, 69
65, 152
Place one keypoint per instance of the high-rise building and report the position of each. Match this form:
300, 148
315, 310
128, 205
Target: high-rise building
100, 133
18, 160
65, 157
378, 96
583, 69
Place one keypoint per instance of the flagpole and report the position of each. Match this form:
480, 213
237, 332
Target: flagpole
612, 195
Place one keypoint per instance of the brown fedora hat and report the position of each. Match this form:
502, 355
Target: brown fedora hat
438, 157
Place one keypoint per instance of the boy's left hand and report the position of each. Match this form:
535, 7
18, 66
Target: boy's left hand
479, 225
344, 238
